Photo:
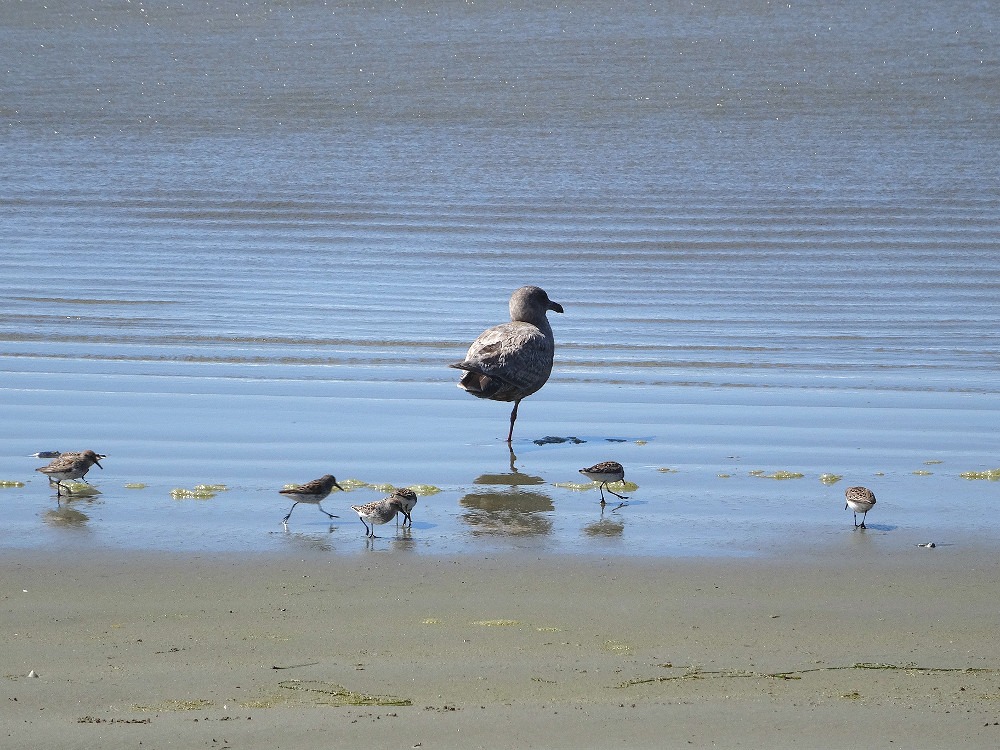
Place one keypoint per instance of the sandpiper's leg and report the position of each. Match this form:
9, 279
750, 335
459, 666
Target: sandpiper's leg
855, 519
620, 497
603, 501
289, 514
513, 418
863, 517
368, 532
323, 511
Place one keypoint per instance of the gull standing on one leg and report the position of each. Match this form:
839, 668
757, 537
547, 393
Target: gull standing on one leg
511, 361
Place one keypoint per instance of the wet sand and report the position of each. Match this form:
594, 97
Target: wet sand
843, 645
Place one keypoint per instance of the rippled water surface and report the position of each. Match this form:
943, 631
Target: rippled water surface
242, 242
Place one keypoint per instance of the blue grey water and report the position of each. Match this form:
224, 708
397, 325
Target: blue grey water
242, 241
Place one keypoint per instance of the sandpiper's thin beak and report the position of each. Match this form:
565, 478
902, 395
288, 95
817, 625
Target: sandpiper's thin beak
99, 464
555, 306
339, 487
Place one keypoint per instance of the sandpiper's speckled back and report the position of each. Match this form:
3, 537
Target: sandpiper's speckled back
860, 499
313, 491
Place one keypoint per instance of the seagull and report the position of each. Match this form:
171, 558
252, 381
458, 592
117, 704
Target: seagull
511, 361
860, 500
311, 492
606, 472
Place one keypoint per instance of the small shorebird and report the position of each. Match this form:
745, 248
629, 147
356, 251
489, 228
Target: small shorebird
378, 513
407, 501
860, 500
511, 361
70, 466
606, 472
311, 492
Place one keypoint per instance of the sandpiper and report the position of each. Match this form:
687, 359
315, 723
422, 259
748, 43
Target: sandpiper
606, 472
860, 500
378, 513
311, 492
407, 501
511, 361
70, 466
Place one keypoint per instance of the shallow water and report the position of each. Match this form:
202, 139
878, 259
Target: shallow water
241, 246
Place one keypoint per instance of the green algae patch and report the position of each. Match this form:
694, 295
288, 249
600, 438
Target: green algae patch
922, 473
382, 487
617, 647
210, 488
196, 704
423, 490
135, 486
724, 476
80, 489
830, 478
993, 475
388, 488
778, 475
575, 486
331, 694
11, 483
349, 484
667, 470
180, 493
497, 623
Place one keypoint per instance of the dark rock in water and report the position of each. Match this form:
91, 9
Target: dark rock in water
549, 439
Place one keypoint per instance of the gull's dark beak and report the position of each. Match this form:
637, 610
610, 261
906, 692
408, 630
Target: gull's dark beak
555, 306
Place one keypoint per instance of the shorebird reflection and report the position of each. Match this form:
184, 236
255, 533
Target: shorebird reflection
605, 527
67, 517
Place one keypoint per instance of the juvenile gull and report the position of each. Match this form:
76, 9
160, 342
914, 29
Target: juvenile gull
511, 361
605, 472
311, 492
860, 500
378, 513
70, 466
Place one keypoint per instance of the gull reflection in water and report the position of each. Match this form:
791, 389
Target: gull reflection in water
507, 508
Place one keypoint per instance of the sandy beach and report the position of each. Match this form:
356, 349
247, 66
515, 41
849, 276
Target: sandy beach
848, 646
